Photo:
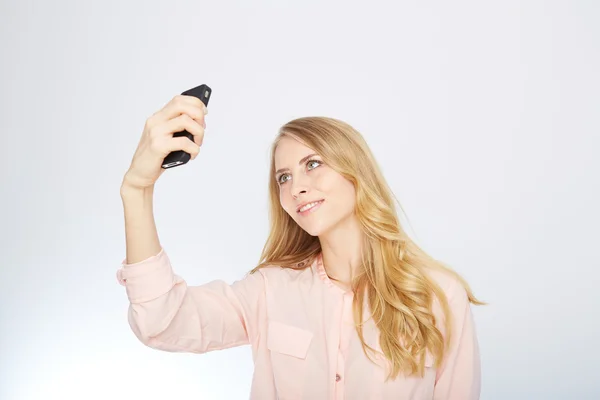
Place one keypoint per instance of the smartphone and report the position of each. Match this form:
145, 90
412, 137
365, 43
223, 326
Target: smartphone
180, 157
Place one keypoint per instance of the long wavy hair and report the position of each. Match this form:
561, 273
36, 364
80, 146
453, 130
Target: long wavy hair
393, 274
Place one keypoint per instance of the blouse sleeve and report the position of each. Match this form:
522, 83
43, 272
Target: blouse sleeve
167, 314
459, 377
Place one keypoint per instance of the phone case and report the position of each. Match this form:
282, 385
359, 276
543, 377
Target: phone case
180, 157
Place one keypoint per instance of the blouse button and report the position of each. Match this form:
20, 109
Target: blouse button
337, 377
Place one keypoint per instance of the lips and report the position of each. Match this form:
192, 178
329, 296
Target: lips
308, 202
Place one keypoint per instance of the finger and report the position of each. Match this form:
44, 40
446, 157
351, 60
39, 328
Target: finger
185, 144
178, 124
187, 100
181, 104
192, 100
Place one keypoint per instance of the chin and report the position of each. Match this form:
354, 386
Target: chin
316, 229
311, 230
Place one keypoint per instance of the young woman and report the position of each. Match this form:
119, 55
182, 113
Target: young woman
344, 305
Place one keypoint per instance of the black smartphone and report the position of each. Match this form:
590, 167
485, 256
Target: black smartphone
180, 157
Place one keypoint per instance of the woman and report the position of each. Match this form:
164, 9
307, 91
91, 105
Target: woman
343, 305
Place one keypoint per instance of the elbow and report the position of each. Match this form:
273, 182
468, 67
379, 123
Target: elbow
142, 327
152, 322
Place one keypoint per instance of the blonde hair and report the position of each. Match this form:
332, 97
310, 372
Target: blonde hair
392, 277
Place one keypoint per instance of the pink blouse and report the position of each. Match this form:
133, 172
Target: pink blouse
301, 330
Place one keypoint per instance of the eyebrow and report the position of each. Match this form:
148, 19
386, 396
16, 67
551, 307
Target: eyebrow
299, 163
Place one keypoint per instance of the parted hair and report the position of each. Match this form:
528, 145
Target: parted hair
393, 276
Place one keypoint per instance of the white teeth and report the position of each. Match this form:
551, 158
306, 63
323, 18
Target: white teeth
309, 205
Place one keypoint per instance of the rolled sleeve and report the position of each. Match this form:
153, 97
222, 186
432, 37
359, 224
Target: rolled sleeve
167, 314
148, 279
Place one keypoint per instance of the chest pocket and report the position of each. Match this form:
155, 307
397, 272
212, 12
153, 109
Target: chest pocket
289, 347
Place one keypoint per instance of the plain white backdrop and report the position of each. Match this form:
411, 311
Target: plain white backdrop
482, 115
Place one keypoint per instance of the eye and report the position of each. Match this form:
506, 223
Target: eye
280, 177
315, 161
308, 163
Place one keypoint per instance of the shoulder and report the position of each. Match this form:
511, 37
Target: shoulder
449, 282
271, 277
278, 274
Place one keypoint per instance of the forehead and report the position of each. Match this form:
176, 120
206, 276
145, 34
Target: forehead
289, 151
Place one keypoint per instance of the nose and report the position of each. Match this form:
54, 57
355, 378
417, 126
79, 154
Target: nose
298, 186
296, 193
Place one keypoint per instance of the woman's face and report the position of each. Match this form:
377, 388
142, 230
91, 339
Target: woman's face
303, 178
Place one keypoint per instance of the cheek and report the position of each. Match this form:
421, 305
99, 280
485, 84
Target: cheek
345, 194
334, 184
286, 201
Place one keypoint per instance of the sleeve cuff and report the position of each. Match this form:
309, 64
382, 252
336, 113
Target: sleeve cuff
148, 279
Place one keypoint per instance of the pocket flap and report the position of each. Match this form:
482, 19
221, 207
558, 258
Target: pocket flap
288, 339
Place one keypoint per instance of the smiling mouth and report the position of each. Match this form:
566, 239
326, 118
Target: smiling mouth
310, 206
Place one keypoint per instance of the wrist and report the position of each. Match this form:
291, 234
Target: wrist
128, 189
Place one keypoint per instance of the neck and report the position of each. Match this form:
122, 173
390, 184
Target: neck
341, 247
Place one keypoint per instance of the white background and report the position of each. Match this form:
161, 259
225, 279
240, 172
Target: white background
483, 116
